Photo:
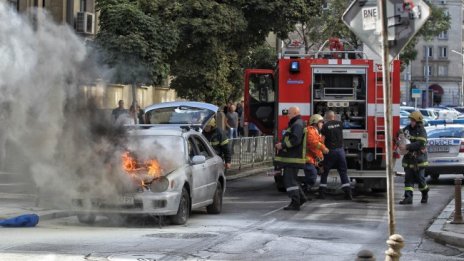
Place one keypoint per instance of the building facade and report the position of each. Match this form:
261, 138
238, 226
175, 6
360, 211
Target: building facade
438, 68
82, 16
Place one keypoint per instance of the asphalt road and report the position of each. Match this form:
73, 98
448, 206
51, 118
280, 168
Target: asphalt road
253, 226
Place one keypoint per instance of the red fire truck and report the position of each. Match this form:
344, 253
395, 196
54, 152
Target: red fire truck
346, 82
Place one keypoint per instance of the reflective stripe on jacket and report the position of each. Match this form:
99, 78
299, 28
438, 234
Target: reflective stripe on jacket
314, 146
417, 149
293, 152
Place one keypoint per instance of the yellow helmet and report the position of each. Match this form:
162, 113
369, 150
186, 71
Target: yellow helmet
315, 119
211, 123
417, 116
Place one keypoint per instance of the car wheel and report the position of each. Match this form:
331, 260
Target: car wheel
279, 182
183, 211
434, 177
87, 218
216, 206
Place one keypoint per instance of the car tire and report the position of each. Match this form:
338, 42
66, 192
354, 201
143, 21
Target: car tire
216, 206
183, 211
87, 218
434, 177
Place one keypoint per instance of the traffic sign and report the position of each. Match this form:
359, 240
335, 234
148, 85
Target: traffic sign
405, 18
416, 93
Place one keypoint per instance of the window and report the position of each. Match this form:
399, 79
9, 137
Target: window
202, 148
427, 70
443, 35
428, 51
443, 51
442, 70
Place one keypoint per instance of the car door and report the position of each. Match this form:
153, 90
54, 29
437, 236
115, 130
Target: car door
208, 175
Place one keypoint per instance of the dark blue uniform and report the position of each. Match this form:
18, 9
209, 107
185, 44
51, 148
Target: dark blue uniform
333, 133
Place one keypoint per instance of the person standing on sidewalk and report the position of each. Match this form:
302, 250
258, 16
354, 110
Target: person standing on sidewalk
315, 150
333, 134
291, 157
415, 159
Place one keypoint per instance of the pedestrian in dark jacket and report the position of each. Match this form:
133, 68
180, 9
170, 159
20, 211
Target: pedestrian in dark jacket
291, 157
219, 141
333, 139
415, 159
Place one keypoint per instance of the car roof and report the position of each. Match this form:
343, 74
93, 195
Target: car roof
444, 126
159, 130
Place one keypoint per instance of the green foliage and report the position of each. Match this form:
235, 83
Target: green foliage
134, 41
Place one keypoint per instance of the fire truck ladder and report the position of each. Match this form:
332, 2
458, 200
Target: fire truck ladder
379, 122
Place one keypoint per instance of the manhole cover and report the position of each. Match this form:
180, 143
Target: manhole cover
183, 235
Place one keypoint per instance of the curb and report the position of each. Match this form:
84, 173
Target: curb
249, 172
437, 229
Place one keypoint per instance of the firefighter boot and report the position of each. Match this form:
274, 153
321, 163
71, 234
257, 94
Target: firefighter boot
321, 192
425, 195
407, 200
295, 203
348, 194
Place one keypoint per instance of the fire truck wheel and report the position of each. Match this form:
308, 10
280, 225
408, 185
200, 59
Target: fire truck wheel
216, 207
87, 218
183, 211
279, 182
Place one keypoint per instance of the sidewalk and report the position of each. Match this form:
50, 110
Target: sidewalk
443, 231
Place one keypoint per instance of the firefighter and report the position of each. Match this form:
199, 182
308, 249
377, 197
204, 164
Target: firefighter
219, 141
291, 157
315, 150
333, 134
415, 159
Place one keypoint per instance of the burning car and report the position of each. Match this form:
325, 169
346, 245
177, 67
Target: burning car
169, 166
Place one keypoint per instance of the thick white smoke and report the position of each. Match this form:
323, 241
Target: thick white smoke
58, 140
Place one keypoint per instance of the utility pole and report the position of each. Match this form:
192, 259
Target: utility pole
427, 72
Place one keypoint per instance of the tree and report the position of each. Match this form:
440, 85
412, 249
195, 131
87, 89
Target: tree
135, 41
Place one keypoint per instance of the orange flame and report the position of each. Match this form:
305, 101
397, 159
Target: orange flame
145, 173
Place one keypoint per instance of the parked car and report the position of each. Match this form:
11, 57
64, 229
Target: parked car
404, 113
429, 113
445, 150
407, 108
445, 113
170, 166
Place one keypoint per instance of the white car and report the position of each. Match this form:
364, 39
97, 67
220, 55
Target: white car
446, 113
445, 150
171, 168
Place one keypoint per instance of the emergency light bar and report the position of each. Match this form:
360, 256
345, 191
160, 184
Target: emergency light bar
444, 122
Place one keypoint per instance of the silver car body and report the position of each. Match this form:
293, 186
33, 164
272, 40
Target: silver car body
189, 162
445, 149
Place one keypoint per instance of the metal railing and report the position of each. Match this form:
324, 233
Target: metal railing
251, 151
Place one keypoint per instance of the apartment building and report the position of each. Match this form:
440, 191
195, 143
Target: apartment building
82, 16
438, 68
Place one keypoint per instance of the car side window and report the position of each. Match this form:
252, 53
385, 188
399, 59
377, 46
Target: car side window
191, 148
202, 148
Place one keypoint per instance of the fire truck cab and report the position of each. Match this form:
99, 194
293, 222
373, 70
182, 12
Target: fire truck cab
346, 82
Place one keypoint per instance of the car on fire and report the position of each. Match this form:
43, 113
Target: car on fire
445, 150
170, 166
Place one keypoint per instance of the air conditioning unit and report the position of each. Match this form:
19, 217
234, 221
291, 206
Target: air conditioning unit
85, 22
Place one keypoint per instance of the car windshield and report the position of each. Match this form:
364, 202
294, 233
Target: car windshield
446, 133
178, 115
167, 150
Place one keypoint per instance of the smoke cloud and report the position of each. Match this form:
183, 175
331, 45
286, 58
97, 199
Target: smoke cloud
52, 133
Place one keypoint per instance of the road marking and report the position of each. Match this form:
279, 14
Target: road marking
272, 212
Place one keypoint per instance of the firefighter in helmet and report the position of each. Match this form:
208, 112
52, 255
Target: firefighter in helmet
291, 157
219, 141
415, 159
315, 150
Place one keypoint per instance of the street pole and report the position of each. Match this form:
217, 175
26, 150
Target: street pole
387, 105
427, 77
461, 91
